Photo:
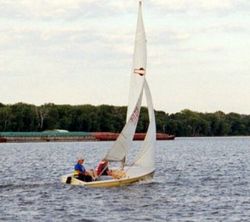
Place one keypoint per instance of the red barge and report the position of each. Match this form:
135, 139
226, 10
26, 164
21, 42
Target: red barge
107, 136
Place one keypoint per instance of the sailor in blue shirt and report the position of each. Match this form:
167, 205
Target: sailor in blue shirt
81, 173
79, 168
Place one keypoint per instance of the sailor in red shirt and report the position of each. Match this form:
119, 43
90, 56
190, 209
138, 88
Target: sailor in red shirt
102, 168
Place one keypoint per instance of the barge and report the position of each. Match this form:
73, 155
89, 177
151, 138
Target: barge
59, 136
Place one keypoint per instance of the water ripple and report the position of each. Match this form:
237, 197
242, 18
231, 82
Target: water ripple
197, 179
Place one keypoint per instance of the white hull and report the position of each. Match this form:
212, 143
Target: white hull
110, 182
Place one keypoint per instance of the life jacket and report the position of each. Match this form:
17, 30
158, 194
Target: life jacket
76, 173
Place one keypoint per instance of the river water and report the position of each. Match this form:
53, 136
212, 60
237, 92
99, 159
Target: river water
196, 179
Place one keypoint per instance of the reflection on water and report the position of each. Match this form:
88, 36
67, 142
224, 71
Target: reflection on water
197, 179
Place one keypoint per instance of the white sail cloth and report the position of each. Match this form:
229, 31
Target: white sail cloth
138, 84
146, 156
119, 150
139, 62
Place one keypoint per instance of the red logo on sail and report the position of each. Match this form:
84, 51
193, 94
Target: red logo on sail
135, 115
141, 71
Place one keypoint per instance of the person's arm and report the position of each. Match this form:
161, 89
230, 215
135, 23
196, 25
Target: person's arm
84, 171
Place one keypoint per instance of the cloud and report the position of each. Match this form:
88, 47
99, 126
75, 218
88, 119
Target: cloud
76, 47
63, 9
29, 9
228, 27
70, 46
200, 5
168, 36
68, 10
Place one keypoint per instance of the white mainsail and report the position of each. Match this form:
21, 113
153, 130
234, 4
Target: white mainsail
138, 72
138, 84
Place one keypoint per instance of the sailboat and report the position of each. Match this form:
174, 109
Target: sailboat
143, 166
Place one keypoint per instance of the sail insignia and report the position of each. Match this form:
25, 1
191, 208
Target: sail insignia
141, 71
135, 115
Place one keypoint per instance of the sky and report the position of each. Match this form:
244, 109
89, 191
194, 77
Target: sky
80, 52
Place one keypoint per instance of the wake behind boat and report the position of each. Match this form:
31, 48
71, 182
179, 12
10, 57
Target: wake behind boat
143, 166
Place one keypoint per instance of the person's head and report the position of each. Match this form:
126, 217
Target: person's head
80, 159
105, 161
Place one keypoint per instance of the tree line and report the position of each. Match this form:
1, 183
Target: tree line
22, 117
